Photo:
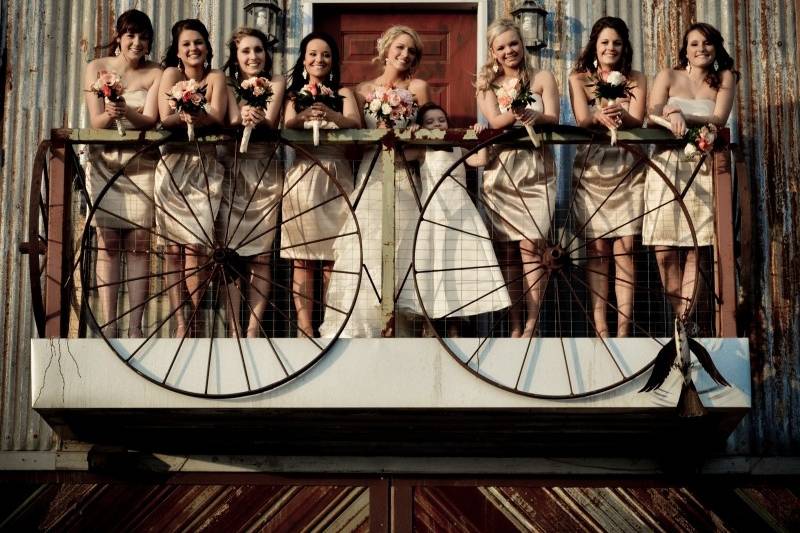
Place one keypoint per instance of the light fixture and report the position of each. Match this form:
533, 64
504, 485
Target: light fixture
530, 16
265, 16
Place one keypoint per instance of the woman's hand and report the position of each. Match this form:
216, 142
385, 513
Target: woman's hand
319, 111
195, 117
478, 128
116, 109
525, 115
252, 116
676, 120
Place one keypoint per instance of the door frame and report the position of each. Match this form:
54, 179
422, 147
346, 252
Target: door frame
307, 7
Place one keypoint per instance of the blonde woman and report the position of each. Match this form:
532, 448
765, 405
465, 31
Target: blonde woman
519, 187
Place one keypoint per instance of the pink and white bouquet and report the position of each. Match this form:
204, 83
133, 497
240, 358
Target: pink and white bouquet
313, 93
257, 92
391, 106
608, 91
190, 97
699, 140
513, 94
108, 86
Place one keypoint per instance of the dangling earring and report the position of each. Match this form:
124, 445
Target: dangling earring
716, 66
305, 74
594, 63
205, 64
495, 67
330, 76
117, 52
688, 68
180, 64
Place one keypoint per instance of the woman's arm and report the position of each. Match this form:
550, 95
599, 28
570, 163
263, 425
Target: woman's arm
101, 113
545, 84
169, 118
233, 113
216, 107
273, 114
487, 103
148, 116
421, 91
634, 115
723, 105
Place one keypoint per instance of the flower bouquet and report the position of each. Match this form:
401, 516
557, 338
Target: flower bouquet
310, 94
109, 87
256, 91
513, 94
607, 91
699, 140
190, 97
391, 106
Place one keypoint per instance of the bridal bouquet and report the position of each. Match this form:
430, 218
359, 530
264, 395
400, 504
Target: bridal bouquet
392, 106
513, 94
310, 94
190, 97
699, 140
607, 91
257, 92
109, 87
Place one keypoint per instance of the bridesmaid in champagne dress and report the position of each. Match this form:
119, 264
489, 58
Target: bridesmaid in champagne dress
313, 211
698, 91
519, 185
607, 190
188, 182
124, 216
399, 51
248, 214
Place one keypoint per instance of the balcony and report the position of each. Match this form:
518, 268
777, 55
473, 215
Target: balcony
434, 381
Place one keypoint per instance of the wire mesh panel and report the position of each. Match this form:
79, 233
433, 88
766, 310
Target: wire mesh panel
197, 243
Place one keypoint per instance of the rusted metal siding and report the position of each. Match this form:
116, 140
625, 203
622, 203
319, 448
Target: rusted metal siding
48, 43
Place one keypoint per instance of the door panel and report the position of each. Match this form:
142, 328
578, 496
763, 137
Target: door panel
449, 43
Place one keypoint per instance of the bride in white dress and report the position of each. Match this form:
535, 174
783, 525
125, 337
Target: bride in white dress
399, 51
699, 91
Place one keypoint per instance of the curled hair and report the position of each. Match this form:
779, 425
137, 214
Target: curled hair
486, 75
586, 61
387, 38
171, 56
295, 77
131, 21
721, 55
430, 106
231, 66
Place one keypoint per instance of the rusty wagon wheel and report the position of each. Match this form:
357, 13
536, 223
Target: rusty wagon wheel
563, 355
201, 267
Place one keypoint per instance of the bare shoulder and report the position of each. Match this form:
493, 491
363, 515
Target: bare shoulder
637, 77
417, 84
216, 76
365, 87
544, 76
278, 81
171, 75
346, 92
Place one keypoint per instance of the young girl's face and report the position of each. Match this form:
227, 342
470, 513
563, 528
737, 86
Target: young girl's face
435, 119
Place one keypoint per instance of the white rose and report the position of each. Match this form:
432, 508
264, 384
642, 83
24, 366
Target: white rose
710, 137
690, 150
386, 109
375, 105
616, 78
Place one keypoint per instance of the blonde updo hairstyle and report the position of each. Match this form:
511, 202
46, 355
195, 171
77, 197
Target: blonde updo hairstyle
486, 75
387, 38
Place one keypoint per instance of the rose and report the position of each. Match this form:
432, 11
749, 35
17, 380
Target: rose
616, 78
690, 150
197, 99
386, 109
312, 88
395, 99
504, 101
375, 105
703, 145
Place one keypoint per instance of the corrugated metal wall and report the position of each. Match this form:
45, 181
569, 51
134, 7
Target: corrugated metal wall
48, 43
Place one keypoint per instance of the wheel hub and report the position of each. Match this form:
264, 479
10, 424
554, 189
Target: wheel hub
555, 258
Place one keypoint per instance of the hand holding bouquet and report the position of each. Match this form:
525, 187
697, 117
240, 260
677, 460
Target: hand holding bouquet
257, 92
317, 93
607, 91
391, 106
188, 96
515, 96
699, 140
109, 87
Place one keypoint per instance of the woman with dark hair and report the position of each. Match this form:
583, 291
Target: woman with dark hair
125, 213
312, 213
696, 92
519, 186
607, 190
252, 188
188, 177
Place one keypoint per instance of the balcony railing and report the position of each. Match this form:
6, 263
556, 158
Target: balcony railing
399, 243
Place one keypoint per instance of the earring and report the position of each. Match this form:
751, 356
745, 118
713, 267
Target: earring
117, 51
495, 68
716, 65
594, 63
330, 76
180, 64
305, 74
688, 68
205, 64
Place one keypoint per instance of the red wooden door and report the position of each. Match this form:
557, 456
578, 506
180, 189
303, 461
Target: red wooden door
449, 42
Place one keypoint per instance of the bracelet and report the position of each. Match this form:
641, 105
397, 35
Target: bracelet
673, 111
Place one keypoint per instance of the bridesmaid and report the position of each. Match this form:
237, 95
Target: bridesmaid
251, 197
607, 190
399, 53
519, 186
189, 178
125, 214
312, 213
696, 92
